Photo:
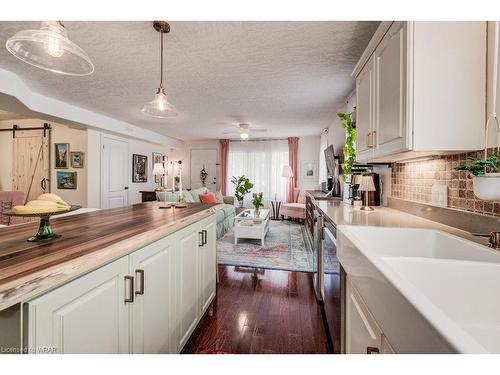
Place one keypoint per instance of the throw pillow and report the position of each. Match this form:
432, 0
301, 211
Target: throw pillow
219, 196
208, 198
188, 196
196, 193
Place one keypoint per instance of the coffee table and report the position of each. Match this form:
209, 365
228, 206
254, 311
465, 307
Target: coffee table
247, 225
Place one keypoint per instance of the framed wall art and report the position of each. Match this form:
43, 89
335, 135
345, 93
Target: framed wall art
139, 168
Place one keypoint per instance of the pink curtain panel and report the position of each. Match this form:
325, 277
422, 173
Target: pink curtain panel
224, 153
293, 157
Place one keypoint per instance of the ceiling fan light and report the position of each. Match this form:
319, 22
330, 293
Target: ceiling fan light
50, 49
159, 107
244, 135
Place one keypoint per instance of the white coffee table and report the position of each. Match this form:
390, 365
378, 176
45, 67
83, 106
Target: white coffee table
247, 225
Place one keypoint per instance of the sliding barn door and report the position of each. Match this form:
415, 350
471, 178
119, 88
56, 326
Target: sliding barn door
30, 157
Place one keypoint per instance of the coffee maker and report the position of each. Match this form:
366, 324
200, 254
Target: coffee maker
355, 197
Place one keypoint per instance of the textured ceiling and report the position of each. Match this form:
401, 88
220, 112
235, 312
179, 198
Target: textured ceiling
288, 77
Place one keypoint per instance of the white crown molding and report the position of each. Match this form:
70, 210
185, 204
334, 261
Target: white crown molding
12, 85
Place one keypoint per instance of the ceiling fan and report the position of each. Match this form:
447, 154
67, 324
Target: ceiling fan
244, 130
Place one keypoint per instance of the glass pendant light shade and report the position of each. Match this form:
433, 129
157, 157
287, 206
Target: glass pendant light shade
49, 48
159, 106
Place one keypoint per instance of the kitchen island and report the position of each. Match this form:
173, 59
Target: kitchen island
132, 279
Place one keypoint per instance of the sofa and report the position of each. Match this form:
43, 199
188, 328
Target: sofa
225, 213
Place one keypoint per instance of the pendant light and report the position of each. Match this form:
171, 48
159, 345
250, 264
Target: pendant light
49, 48
159, 106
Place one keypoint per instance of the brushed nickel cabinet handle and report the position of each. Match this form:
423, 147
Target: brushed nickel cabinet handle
372, 349
373, 138
204, 236
130, 297
368, 139
200, 244
141, 282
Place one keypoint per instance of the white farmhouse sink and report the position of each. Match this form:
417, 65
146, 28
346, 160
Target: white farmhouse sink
430, 291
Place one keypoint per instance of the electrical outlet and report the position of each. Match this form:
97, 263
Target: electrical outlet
440, 195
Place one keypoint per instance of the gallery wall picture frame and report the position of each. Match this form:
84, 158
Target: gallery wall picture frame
61, 155
158, 158
139, 168
76, 159
66, 180
309, 169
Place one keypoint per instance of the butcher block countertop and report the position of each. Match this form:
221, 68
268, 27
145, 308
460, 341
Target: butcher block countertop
89, 241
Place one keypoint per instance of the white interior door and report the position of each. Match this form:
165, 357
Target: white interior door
114, 172
204, 158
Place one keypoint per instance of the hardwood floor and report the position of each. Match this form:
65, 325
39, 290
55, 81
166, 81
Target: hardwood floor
270, 312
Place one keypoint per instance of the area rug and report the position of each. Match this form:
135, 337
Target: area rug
285, 248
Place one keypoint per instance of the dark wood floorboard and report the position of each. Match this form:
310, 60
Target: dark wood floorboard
274, 313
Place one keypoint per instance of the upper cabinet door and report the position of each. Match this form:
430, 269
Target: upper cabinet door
88, 315
152, 310
364, 110
391, 82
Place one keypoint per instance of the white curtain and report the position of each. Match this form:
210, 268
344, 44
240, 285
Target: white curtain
262, 162
323, 143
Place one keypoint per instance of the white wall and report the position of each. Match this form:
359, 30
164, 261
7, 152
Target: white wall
185, 155
308, 151
60, 133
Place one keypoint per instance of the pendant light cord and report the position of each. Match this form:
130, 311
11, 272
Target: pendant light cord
161, 59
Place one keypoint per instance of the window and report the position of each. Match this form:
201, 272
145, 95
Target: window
262, 162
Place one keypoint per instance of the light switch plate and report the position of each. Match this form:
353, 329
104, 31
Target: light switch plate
440, 195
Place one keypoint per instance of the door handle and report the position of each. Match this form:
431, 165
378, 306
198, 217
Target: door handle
372, 349
43, 184
200, 244
141, 282
204, 236
125, 188
130, 281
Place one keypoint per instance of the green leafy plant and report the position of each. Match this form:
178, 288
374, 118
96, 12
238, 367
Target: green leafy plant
480, 166
258, 201
242, 187
349, 125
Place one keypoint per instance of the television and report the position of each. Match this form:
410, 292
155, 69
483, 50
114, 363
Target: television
332, 162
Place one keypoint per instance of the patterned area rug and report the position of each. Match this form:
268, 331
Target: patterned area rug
286, 248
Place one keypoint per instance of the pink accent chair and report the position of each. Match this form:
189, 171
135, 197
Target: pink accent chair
9, 199
297, 209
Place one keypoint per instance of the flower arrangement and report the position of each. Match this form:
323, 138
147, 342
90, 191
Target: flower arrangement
258, 202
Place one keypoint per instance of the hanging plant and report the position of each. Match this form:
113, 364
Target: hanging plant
349, 125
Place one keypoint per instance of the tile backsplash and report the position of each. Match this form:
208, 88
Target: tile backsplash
413, 181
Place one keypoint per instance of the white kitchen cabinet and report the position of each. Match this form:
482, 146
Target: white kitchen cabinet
428, 90
87, 315
149, 301
208, 266
390, 125
363, 336
364, 110
153, 301
187, 301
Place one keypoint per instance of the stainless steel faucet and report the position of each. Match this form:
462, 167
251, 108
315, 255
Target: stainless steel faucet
494, 239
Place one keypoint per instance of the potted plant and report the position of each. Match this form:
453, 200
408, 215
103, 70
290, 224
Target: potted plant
242, 187
348, 122
485, 175
258, 202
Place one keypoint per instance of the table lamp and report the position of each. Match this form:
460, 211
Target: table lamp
159, 170
367, 185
